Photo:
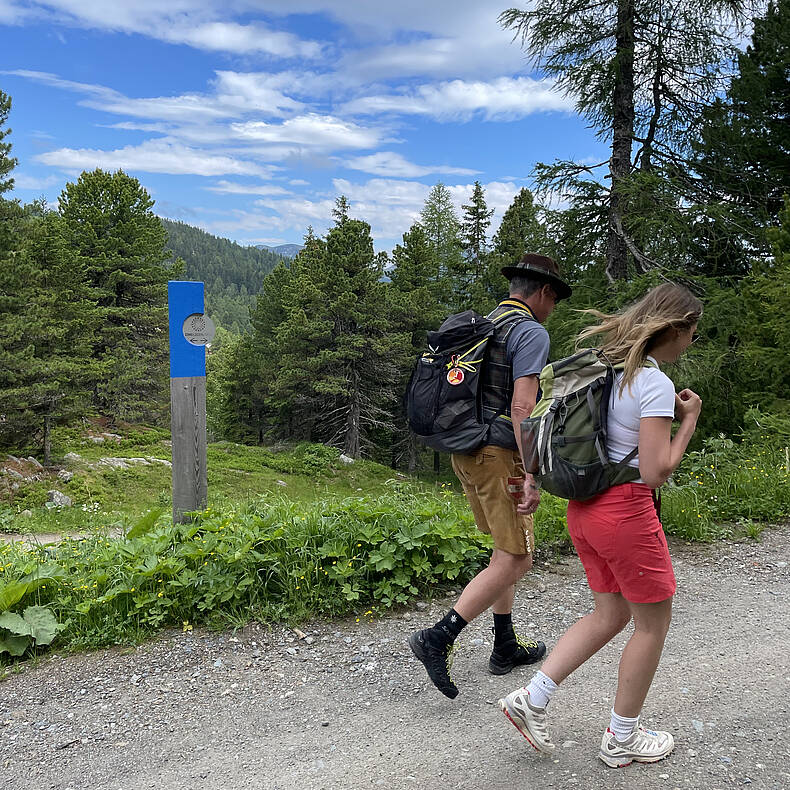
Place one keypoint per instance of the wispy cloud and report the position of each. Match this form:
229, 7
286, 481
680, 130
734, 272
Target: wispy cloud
312, 131
393, 165
233, 188
152, 156
505, 98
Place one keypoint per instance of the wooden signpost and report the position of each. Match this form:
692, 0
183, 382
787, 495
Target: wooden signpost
190, 331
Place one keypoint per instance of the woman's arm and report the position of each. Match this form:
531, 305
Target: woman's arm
659, 451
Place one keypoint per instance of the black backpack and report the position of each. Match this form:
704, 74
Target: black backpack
444, 397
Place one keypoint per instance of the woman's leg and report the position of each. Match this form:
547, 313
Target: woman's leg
641, 655
588, 635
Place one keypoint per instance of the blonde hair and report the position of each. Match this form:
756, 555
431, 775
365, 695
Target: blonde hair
629, 336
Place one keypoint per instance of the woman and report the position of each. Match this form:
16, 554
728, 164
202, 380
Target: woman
617, 534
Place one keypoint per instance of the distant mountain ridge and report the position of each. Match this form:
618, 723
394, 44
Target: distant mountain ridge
286, 250
233, 274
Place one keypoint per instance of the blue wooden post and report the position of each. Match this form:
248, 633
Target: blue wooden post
188, 394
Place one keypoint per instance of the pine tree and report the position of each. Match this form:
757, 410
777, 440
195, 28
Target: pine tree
416, 299
120, 242
48, 318
9, 209
336, 348
641, 73
742, 159
443, 232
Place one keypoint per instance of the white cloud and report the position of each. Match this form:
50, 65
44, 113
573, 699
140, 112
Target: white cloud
311, 130
505, 98
152, 156
390, 163
241, 40
201, 24
233, 188
34, 183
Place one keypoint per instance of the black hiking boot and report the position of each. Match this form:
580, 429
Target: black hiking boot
436, 656
513, 651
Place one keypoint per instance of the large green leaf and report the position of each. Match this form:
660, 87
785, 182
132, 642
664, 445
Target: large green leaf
15, 624
145, 524
11, 594
43, 625
15, 645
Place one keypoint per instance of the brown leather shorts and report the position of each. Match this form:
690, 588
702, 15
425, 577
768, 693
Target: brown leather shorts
493, 479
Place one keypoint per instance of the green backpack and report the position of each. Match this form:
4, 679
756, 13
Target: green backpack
564, 439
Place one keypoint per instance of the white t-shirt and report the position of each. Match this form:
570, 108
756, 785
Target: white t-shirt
652, 394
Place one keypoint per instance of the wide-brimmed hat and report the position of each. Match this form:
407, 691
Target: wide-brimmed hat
540, 267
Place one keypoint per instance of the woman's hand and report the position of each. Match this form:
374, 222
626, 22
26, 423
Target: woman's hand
688, 405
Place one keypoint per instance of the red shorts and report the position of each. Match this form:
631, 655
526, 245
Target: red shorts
622, 545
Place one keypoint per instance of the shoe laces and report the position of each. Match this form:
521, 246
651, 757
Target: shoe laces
448, 660
527, 644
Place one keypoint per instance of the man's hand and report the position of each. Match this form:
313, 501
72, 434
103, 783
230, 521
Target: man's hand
531, 500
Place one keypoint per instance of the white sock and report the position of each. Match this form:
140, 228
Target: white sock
540, 689
622, 726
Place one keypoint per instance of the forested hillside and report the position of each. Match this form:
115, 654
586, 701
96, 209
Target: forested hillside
233, 274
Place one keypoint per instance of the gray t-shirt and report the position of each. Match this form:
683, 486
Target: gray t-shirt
527, 348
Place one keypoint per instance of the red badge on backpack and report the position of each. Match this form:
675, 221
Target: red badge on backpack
455, 376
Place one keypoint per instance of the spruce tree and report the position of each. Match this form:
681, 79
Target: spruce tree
337, 351
443, 232
48, 318
742, 158
120, 243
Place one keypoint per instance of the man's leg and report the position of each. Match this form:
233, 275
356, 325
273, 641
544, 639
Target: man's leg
485, 477
494, 586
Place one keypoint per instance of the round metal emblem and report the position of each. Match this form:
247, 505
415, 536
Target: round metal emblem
198, 329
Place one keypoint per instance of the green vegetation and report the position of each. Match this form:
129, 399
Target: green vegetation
233, 274
335, 539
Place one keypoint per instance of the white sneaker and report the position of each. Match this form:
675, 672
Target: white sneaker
528, 720
641, 746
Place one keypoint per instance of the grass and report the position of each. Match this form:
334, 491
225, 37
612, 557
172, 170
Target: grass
334, 539
111, 499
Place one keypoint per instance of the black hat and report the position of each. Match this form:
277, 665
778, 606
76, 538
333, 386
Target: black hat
540, 267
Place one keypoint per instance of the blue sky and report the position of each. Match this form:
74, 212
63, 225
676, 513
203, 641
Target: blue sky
248, 118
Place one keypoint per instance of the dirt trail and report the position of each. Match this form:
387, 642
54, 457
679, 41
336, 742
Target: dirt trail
347, 707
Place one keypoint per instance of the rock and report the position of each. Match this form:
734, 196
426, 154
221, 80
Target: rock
324, 723
218, 663
13, 473
65, 475
542, 587
72, 458
112, 436
345, 459
33, 461
26, 513
421, 605
299, 633
13, 459
58, 499
281, 482
97, 439
477, 642
698, 725
309, 640
292, 651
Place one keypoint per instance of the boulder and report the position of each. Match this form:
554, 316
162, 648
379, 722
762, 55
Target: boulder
58, 499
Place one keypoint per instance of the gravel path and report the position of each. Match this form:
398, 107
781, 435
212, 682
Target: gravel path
347, 707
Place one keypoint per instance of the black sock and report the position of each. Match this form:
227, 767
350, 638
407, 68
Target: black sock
503, 628
450, 625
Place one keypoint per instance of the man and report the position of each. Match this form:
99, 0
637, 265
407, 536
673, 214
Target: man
493, 476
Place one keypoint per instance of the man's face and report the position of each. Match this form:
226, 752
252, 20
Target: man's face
546, 303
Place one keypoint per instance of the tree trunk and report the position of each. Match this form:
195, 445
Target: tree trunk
47, 439
351, 443
622, 138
